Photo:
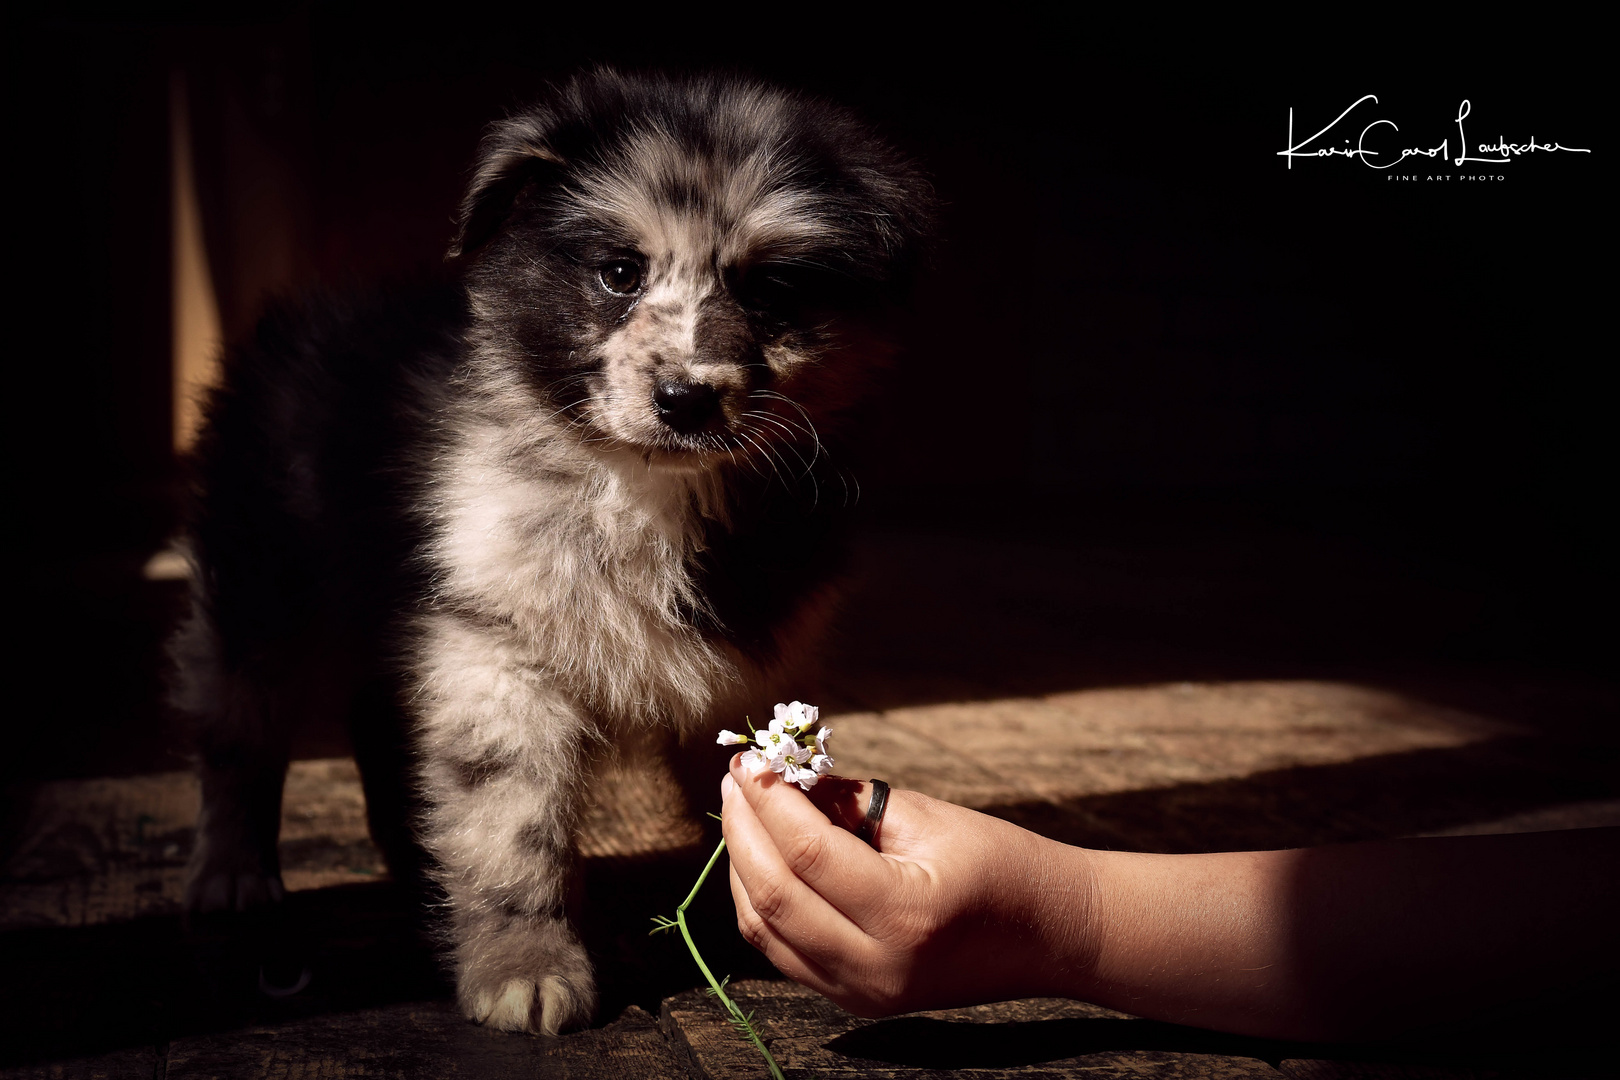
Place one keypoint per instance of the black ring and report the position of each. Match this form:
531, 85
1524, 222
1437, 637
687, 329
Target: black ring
874, 811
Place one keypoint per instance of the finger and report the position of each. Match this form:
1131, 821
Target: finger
780, 952
793, 910
847, 985
840, 868
843, 800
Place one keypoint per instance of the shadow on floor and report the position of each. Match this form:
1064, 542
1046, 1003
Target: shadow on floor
1420, 791
85, 990
1562, 1034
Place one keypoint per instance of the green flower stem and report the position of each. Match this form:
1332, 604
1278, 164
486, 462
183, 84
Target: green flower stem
740, 1021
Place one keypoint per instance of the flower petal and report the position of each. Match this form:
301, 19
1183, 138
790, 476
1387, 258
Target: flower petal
731, 738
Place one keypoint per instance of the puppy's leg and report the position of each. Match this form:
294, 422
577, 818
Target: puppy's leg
503, 760
380, 737
241, 746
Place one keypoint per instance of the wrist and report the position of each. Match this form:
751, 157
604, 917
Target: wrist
1055, 919
1040, 901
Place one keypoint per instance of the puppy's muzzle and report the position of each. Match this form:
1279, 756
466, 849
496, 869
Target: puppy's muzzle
687, 407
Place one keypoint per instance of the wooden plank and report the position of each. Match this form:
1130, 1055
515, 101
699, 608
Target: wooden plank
413, 1041
138, 1063
1091, 742
1012, 1040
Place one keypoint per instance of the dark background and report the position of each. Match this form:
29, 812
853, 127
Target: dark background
1274, 420
1169, 410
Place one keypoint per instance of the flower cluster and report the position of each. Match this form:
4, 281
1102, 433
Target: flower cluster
783, 748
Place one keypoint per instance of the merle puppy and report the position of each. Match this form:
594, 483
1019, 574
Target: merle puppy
564, 498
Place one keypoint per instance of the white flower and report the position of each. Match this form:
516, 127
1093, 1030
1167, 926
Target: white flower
797, 715
778, 748
785, 723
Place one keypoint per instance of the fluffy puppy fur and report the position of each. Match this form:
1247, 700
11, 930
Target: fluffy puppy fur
565, 497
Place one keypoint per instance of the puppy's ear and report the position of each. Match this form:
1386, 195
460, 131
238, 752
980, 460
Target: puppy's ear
514, 160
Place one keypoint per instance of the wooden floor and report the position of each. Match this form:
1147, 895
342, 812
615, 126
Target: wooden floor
1228, 695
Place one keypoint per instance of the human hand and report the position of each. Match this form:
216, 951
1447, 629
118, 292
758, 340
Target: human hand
953, 907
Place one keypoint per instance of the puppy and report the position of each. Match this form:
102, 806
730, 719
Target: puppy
564, 497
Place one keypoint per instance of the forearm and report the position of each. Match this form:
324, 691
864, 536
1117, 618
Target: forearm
1336, 942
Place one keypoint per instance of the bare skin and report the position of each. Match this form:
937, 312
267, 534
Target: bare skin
1347, 942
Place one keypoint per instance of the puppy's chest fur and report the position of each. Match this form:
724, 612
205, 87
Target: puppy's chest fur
649, 595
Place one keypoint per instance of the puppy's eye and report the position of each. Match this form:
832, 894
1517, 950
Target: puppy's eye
621, 277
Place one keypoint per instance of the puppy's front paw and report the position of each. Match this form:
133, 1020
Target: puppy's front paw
223, 884
227, 891
544, 1006
537, 979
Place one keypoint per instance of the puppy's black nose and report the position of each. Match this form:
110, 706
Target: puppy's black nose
687, 407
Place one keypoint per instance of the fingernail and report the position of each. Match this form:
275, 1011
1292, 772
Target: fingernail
727, 785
